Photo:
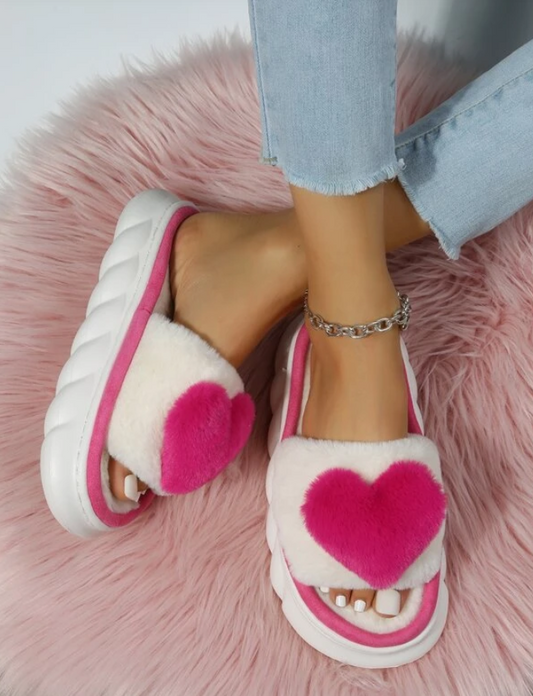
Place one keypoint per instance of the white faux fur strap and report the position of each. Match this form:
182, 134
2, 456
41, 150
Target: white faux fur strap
359, 514
181, 415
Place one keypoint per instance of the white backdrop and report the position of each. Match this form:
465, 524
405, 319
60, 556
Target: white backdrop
47, 47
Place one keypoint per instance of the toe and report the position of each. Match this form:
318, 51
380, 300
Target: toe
361, 600
340, 598
389, 603
123, 483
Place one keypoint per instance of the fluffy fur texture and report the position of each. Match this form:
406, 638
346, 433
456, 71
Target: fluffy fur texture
179, 603
169, 360
391, 521
204, 431
297, 462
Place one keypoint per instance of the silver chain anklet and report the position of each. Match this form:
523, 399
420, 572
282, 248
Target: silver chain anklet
400, 318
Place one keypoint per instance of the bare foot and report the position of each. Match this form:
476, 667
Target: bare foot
358, 393
233, 276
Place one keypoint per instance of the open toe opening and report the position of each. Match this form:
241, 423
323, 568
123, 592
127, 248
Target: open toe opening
370, 619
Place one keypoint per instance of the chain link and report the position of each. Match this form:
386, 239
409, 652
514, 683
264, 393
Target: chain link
400, 317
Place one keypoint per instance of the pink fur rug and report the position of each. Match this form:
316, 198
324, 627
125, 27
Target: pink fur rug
180, 604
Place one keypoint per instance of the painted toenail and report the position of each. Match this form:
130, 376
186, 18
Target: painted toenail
324, 590
359, 605
340, 600
130, 488
388, 602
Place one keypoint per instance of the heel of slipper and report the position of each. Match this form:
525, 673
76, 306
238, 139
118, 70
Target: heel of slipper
146, 205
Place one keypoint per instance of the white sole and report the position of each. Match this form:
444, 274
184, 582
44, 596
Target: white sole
303, 621
124, 274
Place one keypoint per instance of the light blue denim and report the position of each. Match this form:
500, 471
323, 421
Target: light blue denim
326, 75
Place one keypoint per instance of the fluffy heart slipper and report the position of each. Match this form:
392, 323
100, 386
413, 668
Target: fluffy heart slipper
354, 515
137, 386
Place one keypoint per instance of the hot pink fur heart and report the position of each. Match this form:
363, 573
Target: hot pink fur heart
375, 530
204, 431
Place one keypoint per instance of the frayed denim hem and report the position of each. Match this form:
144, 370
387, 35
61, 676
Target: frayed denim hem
451, 250
343, 188
337, 188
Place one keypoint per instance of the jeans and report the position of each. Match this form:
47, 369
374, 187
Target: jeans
326, 75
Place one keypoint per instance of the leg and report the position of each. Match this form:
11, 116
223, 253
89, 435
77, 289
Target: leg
333, 136
328, 155
454, 217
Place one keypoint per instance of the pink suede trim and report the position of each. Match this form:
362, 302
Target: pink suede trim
391, 520
309, 594
204, 431
297, 383
118, 373
413, 426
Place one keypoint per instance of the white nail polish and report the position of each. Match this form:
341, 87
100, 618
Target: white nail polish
359, 605
130, 488
388, 602
324, 590
340, 600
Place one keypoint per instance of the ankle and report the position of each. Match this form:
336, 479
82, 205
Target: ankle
358, 388
353, 299
279, 257
341, 356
